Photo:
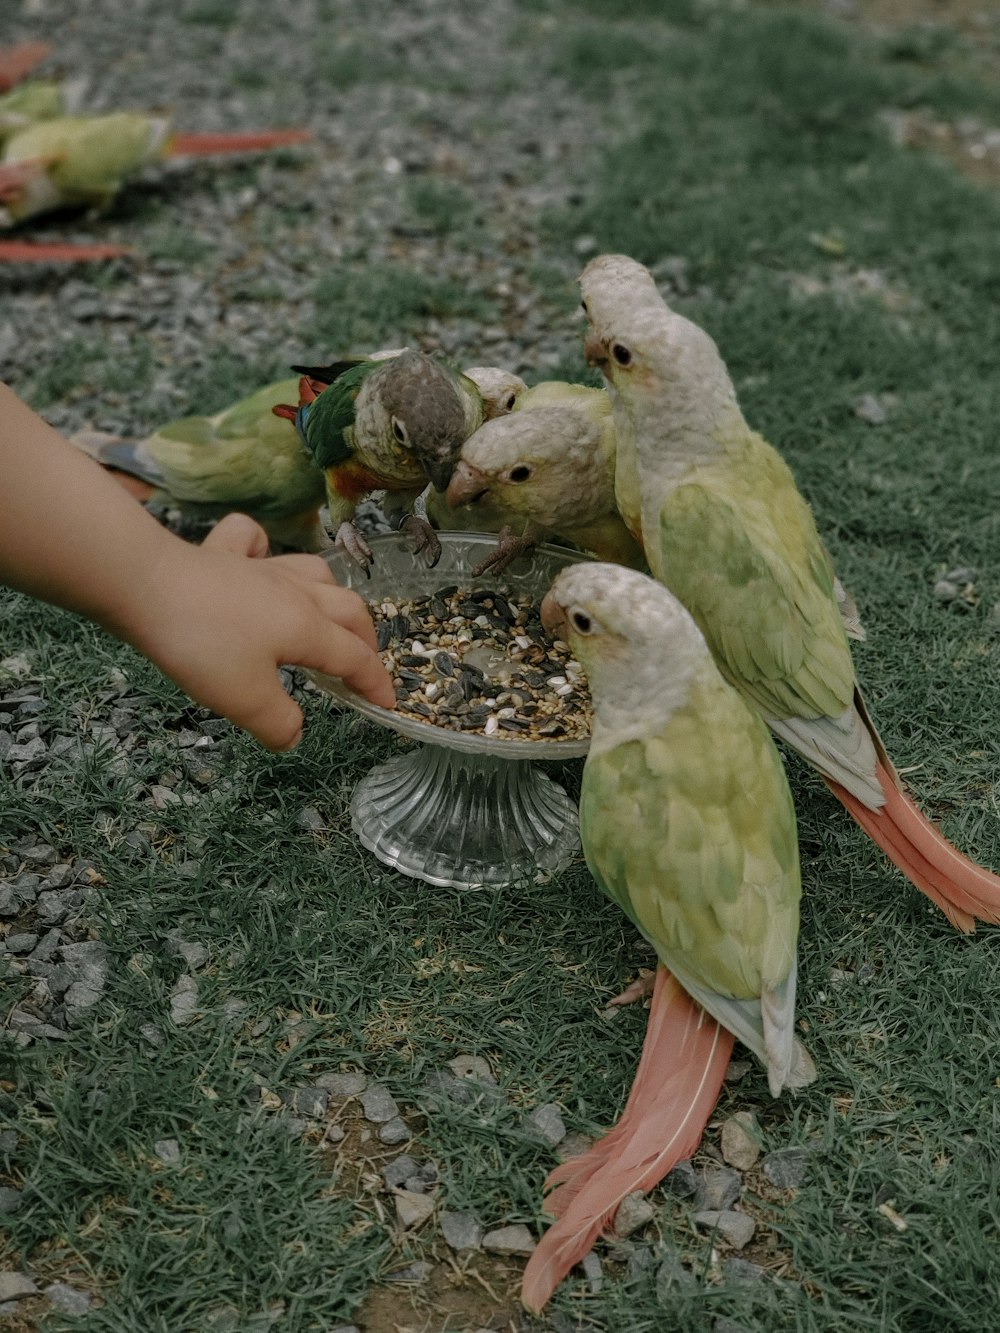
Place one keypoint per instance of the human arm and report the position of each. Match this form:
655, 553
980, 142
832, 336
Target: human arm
219, 624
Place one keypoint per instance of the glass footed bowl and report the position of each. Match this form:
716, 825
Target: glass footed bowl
460, 809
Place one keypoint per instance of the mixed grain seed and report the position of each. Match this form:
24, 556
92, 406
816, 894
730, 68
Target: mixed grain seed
481, 661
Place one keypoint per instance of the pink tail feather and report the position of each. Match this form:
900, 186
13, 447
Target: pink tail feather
253, 141
680, 1074
962, 889
17, 61
58, 252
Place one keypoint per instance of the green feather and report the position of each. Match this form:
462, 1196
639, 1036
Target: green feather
328, 422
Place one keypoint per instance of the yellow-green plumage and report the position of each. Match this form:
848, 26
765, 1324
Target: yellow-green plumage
41, 99
87, 158
686, 817
691, 831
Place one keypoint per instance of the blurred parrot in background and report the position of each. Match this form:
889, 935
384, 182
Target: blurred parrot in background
18, 61
39, 99
244, 458
687, 824
724, 527
385, 424
546, 469
83, 161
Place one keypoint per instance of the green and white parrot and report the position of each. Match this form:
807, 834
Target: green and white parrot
724, 527
547, 469
687, 824
386, 425
83, 161
244, 458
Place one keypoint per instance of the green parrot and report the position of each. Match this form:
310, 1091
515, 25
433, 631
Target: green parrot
545, 470
391, 424
688, 826
724, 527
83, 161
244, 458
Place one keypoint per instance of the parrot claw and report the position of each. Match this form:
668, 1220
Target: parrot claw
640, 989
507, 549
423, 538
349, 539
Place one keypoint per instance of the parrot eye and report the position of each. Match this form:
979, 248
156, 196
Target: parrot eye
582, 623
583, 307
399, 431
520, 473
621, 354
508, 402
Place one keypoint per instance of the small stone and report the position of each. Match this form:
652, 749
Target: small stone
378, 1104
311, 819
342, 1085
414, 1273
394, 1131
786, 1169
471, 1067
193, 953
515, 1239
872, 409
310, 1101
15, 1286
152, 1034
741, 1140
742, 1270
593, 1271
68, 1299
682, 1181
945, 590
167, 1150
717, 1190
634, 1212
20, 943
462, 1231
184, 1000
962, 575
547, 1123
10, 1200
736, 1228
411, 1208
573, 1145
9, 903
18, 665
737, 1069
163, 796
40, 855
399, 1169
334, 1134
671, 1273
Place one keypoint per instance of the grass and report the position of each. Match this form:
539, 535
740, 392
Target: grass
747, 141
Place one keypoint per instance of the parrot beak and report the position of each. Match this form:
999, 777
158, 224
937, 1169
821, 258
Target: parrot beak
552, 616
467, 485
439, 471
594, 350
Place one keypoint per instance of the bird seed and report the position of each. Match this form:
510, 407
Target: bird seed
481, 661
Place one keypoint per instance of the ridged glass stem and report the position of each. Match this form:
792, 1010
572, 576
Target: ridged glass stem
464, 819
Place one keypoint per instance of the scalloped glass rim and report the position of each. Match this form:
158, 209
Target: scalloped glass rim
398, 573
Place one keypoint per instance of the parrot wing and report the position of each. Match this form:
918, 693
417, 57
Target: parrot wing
754, 575
717, 892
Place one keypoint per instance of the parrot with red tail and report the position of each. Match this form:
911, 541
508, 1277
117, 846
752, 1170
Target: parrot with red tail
724, 527
687, 824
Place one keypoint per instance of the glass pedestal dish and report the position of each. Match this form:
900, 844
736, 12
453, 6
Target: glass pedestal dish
459, 809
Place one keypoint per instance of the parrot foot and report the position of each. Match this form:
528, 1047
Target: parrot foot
640, 989
423, 538
350, 539
507, 549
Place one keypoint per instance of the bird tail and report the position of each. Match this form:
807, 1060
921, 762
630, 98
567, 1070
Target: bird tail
254, 141
963, 890
17, 61
680, 1074
57, 252
127, 460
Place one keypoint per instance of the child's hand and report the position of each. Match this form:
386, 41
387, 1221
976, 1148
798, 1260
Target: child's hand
220, 624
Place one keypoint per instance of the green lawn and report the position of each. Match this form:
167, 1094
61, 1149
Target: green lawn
744, 155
